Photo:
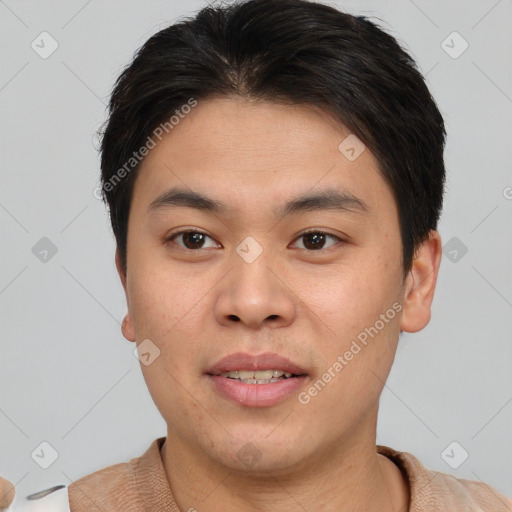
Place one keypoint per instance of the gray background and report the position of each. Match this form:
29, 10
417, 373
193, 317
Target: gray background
67, 375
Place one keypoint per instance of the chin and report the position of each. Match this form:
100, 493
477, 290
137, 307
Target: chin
259, 455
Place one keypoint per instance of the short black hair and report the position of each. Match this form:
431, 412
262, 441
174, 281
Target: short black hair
288, 52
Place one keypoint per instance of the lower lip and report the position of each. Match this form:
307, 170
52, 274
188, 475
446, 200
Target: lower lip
257, 395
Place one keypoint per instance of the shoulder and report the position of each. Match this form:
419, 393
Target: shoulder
115, 487
108, 488
477, 495
129, 486
441, 492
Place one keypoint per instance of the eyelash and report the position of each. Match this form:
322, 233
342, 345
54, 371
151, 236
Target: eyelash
304, 233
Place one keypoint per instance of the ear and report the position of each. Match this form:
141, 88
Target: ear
127, 327
421, 283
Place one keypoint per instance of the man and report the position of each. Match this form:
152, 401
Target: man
274, 174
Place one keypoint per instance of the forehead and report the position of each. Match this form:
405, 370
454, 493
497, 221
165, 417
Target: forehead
252, 152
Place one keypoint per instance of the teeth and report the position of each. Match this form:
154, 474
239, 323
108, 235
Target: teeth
262, 375
256, 381
242, 374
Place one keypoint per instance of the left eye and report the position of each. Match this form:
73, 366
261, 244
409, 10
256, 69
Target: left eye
315, 240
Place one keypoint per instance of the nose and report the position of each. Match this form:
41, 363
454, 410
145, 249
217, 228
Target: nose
255, 293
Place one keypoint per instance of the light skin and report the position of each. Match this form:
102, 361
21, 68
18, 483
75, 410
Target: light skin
200, 304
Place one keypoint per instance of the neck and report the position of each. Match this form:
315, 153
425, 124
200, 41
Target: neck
346, 475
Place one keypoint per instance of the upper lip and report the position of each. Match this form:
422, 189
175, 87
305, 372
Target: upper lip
255, 362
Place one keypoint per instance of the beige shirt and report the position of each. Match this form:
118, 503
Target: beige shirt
140, 485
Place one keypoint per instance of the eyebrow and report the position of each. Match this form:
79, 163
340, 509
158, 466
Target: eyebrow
326, 199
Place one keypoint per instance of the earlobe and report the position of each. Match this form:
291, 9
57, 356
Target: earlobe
420, 284
128, 328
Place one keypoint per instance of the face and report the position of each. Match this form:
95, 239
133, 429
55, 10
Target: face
292, 260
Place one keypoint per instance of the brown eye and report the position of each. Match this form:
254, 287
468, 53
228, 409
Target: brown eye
190, 239
315, 240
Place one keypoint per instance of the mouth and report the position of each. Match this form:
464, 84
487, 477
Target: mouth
256, 380
259, 377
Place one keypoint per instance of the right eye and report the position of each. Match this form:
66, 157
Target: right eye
191, 239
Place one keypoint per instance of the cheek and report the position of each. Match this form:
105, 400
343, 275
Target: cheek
168, 310
356, 319
346, 296
162, 298
176, 400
